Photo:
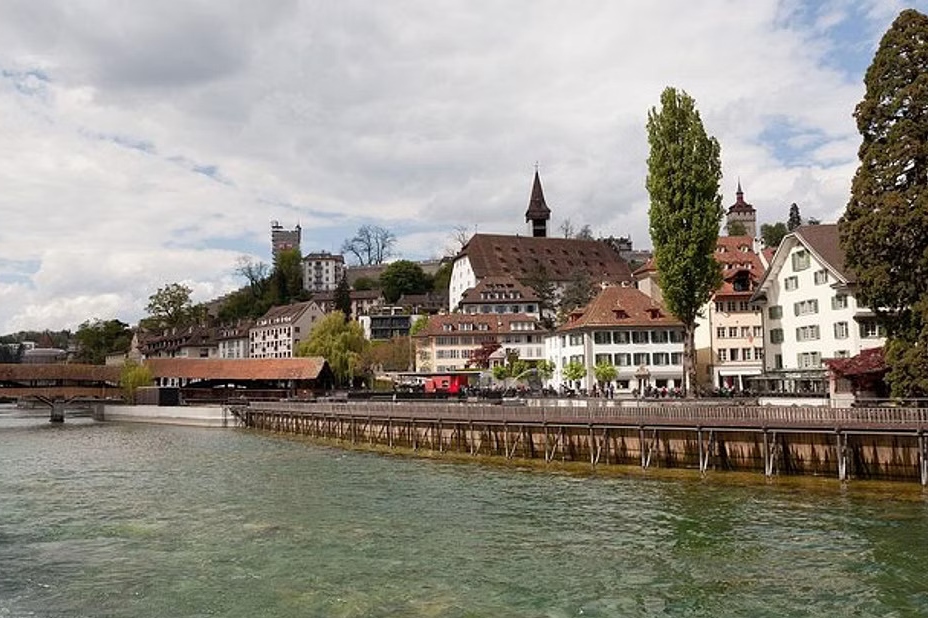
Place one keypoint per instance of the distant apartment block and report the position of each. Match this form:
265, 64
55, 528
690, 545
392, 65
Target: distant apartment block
322, 271
277, 333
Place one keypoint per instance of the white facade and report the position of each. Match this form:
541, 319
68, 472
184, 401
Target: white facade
462, 279
234, 348
449, 341
322, 271
810, 310
642, 356
279, 331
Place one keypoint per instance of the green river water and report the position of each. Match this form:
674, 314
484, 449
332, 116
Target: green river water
101, 519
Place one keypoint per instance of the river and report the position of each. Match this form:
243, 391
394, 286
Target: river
122, 520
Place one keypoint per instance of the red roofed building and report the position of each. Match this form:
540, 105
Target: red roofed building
625, 328
449, 341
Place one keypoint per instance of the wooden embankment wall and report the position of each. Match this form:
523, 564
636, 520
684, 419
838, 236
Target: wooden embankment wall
859, 443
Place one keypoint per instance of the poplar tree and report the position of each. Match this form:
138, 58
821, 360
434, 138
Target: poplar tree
684, 170
884, 230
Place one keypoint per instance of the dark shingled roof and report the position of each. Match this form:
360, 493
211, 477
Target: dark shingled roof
60, 371
537, 208
495, 255
502, 285
740, 205
823, 240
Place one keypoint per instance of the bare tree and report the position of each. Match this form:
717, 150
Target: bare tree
256, 273
584, 233
567, 228
371, 245
459, 237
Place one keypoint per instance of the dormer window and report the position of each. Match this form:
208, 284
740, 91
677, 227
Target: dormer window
654, 313
620, 314
720, 249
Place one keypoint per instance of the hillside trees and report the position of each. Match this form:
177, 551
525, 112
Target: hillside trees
684, 170
772, 234
96, 338
403, 277
884, 230
169, 306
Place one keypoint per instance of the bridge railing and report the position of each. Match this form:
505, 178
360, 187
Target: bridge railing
748, 416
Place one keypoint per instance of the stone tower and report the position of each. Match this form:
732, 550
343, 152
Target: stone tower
538, 212
282, 239
742, 212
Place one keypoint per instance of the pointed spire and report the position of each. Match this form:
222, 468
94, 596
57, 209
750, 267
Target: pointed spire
538, 212
739, 194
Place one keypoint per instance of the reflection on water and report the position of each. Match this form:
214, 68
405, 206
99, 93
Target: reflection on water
131, 520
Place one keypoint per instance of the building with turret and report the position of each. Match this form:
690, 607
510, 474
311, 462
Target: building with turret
283, 239
743, 213
538, 213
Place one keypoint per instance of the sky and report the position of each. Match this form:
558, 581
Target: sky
149, 143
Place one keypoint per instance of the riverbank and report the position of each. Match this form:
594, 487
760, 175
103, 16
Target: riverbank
194, 416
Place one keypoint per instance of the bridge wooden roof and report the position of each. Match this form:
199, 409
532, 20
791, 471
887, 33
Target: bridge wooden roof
59, 371
308, 368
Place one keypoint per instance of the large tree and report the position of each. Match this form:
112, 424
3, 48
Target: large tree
684, 170
170, 306
371, 244
795, 218
772, 233
341, 342
884, 231
96, 338
403, 277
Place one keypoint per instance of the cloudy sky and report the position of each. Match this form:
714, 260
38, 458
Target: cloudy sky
146, 143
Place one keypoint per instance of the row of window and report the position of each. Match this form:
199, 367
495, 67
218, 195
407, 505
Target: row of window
740, 354
807, 307
622, 337
733, 306
624, 359
868, 330
502, 309
733, 332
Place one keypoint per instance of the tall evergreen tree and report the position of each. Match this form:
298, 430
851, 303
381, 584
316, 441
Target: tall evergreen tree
884, 231
795, 219
684, 170
343, 297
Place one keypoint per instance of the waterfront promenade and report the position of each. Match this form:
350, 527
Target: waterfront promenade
865, 443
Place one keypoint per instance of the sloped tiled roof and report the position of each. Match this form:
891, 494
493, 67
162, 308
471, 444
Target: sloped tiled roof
614, 302
307, 368
736, 255
496, 323
493, 255
501, 285
869, 361
823, 239
59, 371
740, 205
285, 313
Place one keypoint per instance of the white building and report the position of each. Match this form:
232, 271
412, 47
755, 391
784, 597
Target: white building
449, 341
234, 340
625, 328
810, 311
322, 271
277, 333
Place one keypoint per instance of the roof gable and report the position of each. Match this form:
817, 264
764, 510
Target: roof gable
620, 306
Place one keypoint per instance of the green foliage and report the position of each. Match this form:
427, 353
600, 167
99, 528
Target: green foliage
540, 281
501, 372
366, 283
97, 338
545, 369
605, 372
518, 367
170, 306
403, 277
575, 370
441, 280
736, 228
577, 293
684, 170
132, 377
421, 322
795, 219
341, 342
343, 297
884, 231
772, 234
11, 352
287, 277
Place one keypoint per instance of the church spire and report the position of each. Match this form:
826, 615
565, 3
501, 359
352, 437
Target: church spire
538, 212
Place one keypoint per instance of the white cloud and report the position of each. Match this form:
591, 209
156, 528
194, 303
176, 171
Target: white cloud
149, 144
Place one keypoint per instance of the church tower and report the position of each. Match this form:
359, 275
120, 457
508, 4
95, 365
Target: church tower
538, 212
743, 213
